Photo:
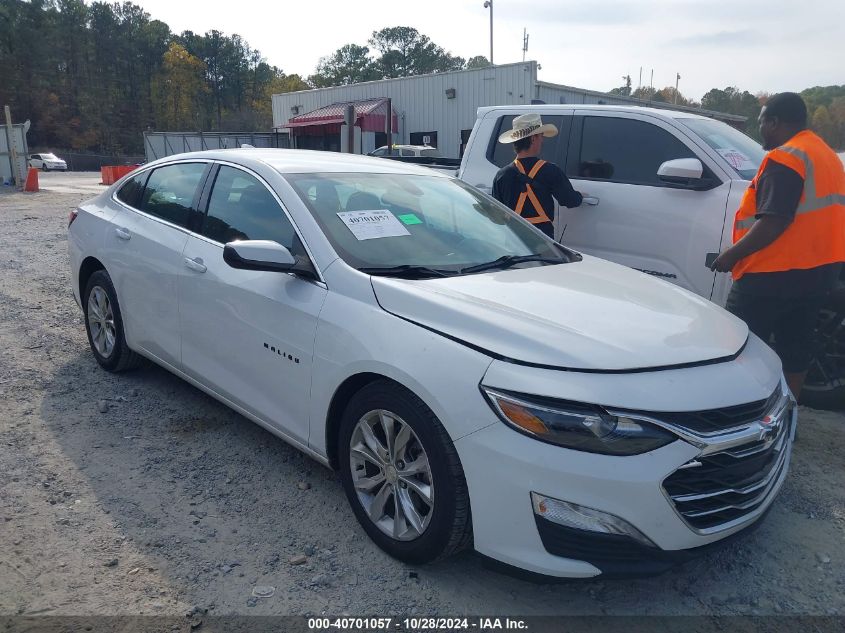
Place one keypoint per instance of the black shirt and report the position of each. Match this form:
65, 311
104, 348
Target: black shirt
779, 190
549, 181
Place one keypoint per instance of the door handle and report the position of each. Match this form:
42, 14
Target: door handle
123, 234
195, 264
591, 200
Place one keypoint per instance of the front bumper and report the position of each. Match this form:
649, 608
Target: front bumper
503, 468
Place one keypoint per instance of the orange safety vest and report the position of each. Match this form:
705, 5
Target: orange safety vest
530, 195
817, 234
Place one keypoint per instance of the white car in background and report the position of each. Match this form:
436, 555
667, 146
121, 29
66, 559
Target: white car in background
47, 162
407, 151
473, 382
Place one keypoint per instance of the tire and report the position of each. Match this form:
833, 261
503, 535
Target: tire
44, 168
425, 531
824, 387
104, 325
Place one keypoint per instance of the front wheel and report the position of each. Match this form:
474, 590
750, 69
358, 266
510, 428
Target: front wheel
402, 475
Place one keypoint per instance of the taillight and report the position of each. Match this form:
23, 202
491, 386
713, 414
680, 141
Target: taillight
71, 217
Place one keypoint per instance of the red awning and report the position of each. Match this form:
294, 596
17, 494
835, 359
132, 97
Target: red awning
369, 116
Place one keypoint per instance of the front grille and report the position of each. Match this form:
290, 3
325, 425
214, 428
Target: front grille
715, 421
730, 484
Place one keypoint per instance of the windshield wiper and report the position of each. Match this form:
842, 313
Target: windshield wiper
407, 270
506, 261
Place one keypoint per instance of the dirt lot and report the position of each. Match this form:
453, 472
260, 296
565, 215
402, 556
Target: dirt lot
166, 500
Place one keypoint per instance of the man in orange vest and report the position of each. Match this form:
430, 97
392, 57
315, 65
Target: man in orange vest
789, 236
528, 184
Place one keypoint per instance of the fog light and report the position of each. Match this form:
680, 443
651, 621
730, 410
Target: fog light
581, 518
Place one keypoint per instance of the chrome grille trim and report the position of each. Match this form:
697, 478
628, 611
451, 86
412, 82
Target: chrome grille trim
724, 490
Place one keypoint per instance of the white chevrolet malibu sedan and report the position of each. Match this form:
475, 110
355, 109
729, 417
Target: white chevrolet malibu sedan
473, 382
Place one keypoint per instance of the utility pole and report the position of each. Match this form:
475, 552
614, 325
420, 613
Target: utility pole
640, 81
677, 79
524, 42
488, 4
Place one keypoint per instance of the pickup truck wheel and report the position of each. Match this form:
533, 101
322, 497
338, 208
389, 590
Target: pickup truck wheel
825, 384
402, 475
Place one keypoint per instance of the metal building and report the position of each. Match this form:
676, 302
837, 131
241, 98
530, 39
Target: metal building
441, 108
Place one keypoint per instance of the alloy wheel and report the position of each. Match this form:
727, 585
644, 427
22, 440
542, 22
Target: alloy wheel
391, 475
101, 322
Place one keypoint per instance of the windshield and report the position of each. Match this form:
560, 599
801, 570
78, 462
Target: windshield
430, 152
48, 157
742, 152
385, 221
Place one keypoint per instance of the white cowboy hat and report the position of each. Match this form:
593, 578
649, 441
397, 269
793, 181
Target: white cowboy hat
528, 125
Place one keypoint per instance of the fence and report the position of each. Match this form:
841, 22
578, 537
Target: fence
161, 144
77, 161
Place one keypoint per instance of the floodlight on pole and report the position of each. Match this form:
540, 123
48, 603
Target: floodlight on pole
488, 4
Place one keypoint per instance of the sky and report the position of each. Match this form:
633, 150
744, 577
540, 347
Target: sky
755, 45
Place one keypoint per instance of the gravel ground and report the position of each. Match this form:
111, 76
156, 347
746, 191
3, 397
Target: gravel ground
139, 494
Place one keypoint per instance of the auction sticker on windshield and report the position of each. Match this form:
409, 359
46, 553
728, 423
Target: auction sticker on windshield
367, 225
737, 159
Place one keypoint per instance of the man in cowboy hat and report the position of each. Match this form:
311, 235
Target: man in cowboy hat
528, 184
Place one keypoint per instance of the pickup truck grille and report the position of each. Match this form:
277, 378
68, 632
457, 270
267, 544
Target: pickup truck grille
730, 484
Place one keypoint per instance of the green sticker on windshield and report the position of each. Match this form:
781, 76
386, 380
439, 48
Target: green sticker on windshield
409, 218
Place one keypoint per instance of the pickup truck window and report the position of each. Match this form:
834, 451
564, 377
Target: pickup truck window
741, 152
625, 150
500, 154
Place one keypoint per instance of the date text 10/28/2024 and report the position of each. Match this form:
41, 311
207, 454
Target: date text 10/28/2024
413, 624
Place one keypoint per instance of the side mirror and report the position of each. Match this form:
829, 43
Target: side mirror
683, 172
688, 168
266, 255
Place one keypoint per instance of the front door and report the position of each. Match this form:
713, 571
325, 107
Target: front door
636, 219
249, 335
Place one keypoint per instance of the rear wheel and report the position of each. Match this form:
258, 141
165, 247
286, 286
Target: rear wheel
104, 325
824, 387
402, 475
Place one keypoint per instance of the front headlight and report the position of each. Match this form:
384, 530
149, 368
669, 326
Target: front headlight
582, 427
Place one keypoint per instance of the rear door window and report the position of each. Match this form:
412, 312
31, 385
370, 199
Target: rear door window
171, 190
554, 149
129, 192
624, 150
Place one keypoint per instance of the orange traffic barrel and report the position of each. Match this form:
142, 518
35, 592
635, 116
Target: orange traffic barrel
31, 180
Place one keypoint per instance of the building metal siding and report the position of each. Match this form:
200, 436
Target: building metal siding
421, 103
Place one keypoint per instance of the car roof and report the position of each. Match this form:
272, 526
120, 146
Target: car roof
552, 108
299, 161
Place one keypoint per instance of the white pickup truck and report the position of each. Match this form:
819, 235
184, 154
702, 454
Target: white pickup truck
661, 188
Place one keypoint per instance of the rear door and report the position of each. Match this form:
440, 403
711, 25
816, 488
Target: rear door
144, 254
637, 220
248, 335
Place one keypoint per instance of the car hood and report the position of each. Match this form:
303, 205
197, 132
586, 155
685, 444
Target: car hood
590, 315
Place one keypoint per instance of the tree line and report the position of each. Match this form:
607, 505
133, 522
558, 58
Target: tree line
92, 77
825, 106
